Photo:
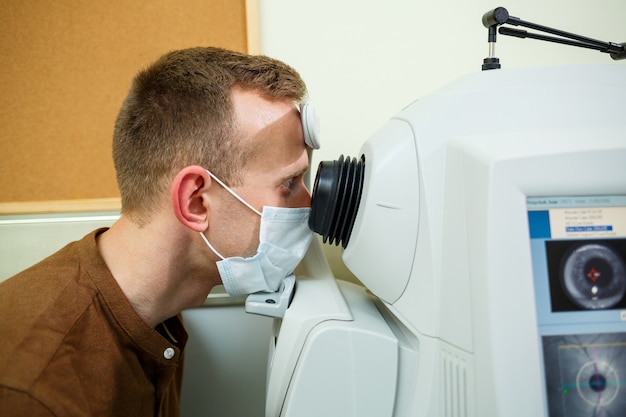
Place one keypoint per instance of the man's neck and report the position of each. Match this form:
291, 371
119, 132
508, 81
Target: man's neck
155, 268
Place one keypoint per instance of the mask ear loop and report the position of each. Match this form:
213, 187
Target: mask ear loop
211, 246
234, 194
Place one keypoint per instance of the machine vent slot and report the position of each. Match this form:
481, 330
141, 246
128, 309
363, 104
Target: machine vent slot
454, 378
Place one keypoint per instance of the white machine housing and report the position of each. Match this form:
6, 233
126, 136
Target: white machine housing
448, 325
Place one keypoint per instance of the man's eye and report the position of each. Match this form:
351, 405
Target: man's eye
289, 183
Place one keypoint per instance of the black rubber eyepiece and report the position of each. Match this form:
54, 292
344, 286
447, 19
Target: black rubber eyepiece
336, 197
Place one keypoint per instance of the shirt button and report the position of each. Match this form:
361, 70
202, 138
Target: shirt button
169, 353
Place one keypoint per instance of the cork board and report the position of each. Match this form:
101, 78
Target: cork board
66, 68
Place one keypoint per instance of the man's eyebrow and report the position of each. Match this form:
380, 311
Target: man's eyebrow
301, 171
296, 174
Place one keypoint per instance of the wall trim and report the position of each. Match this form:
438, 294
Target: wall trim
60, 206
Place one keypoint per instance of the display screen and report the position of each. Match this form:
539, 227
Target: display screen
578, 248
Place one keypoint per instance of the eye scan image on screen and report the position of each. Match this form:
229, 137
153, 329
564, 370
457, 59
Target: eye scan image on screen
578, 247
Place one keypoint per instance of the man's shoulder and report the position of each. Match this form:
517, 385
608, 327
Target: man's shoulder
30, 293
39, 307
51, 273
16, 403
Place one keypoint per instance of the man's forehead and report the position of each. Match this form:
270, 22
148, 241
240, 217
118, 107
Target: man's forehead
255, 111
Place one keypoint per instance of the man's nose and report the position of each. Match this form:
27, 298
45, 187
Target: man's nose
305, 200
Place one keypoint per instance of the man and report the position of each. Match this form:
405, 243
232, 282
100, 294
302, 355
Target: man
204, 141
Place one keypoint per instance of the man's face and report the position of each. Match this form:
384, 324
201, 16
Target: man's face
273, 176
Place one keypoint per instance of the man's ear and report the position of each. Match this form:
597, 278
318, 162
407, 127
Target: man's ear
189, 196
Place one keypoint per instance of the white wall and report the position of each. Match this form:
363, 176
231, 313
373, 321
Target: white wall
364, 60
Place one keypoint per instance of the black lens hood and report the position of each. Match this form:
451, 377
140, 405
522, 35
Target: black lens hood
336, 197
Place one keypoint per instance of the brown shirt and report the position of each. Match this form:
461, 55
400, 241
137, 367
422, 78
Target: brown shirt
72, 345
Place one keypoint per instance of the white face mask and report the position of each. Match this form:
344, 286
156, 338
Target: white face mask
284, 238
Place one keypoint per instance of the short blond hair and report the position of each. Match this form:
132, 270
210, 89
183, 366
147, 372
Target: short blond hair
179, 112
